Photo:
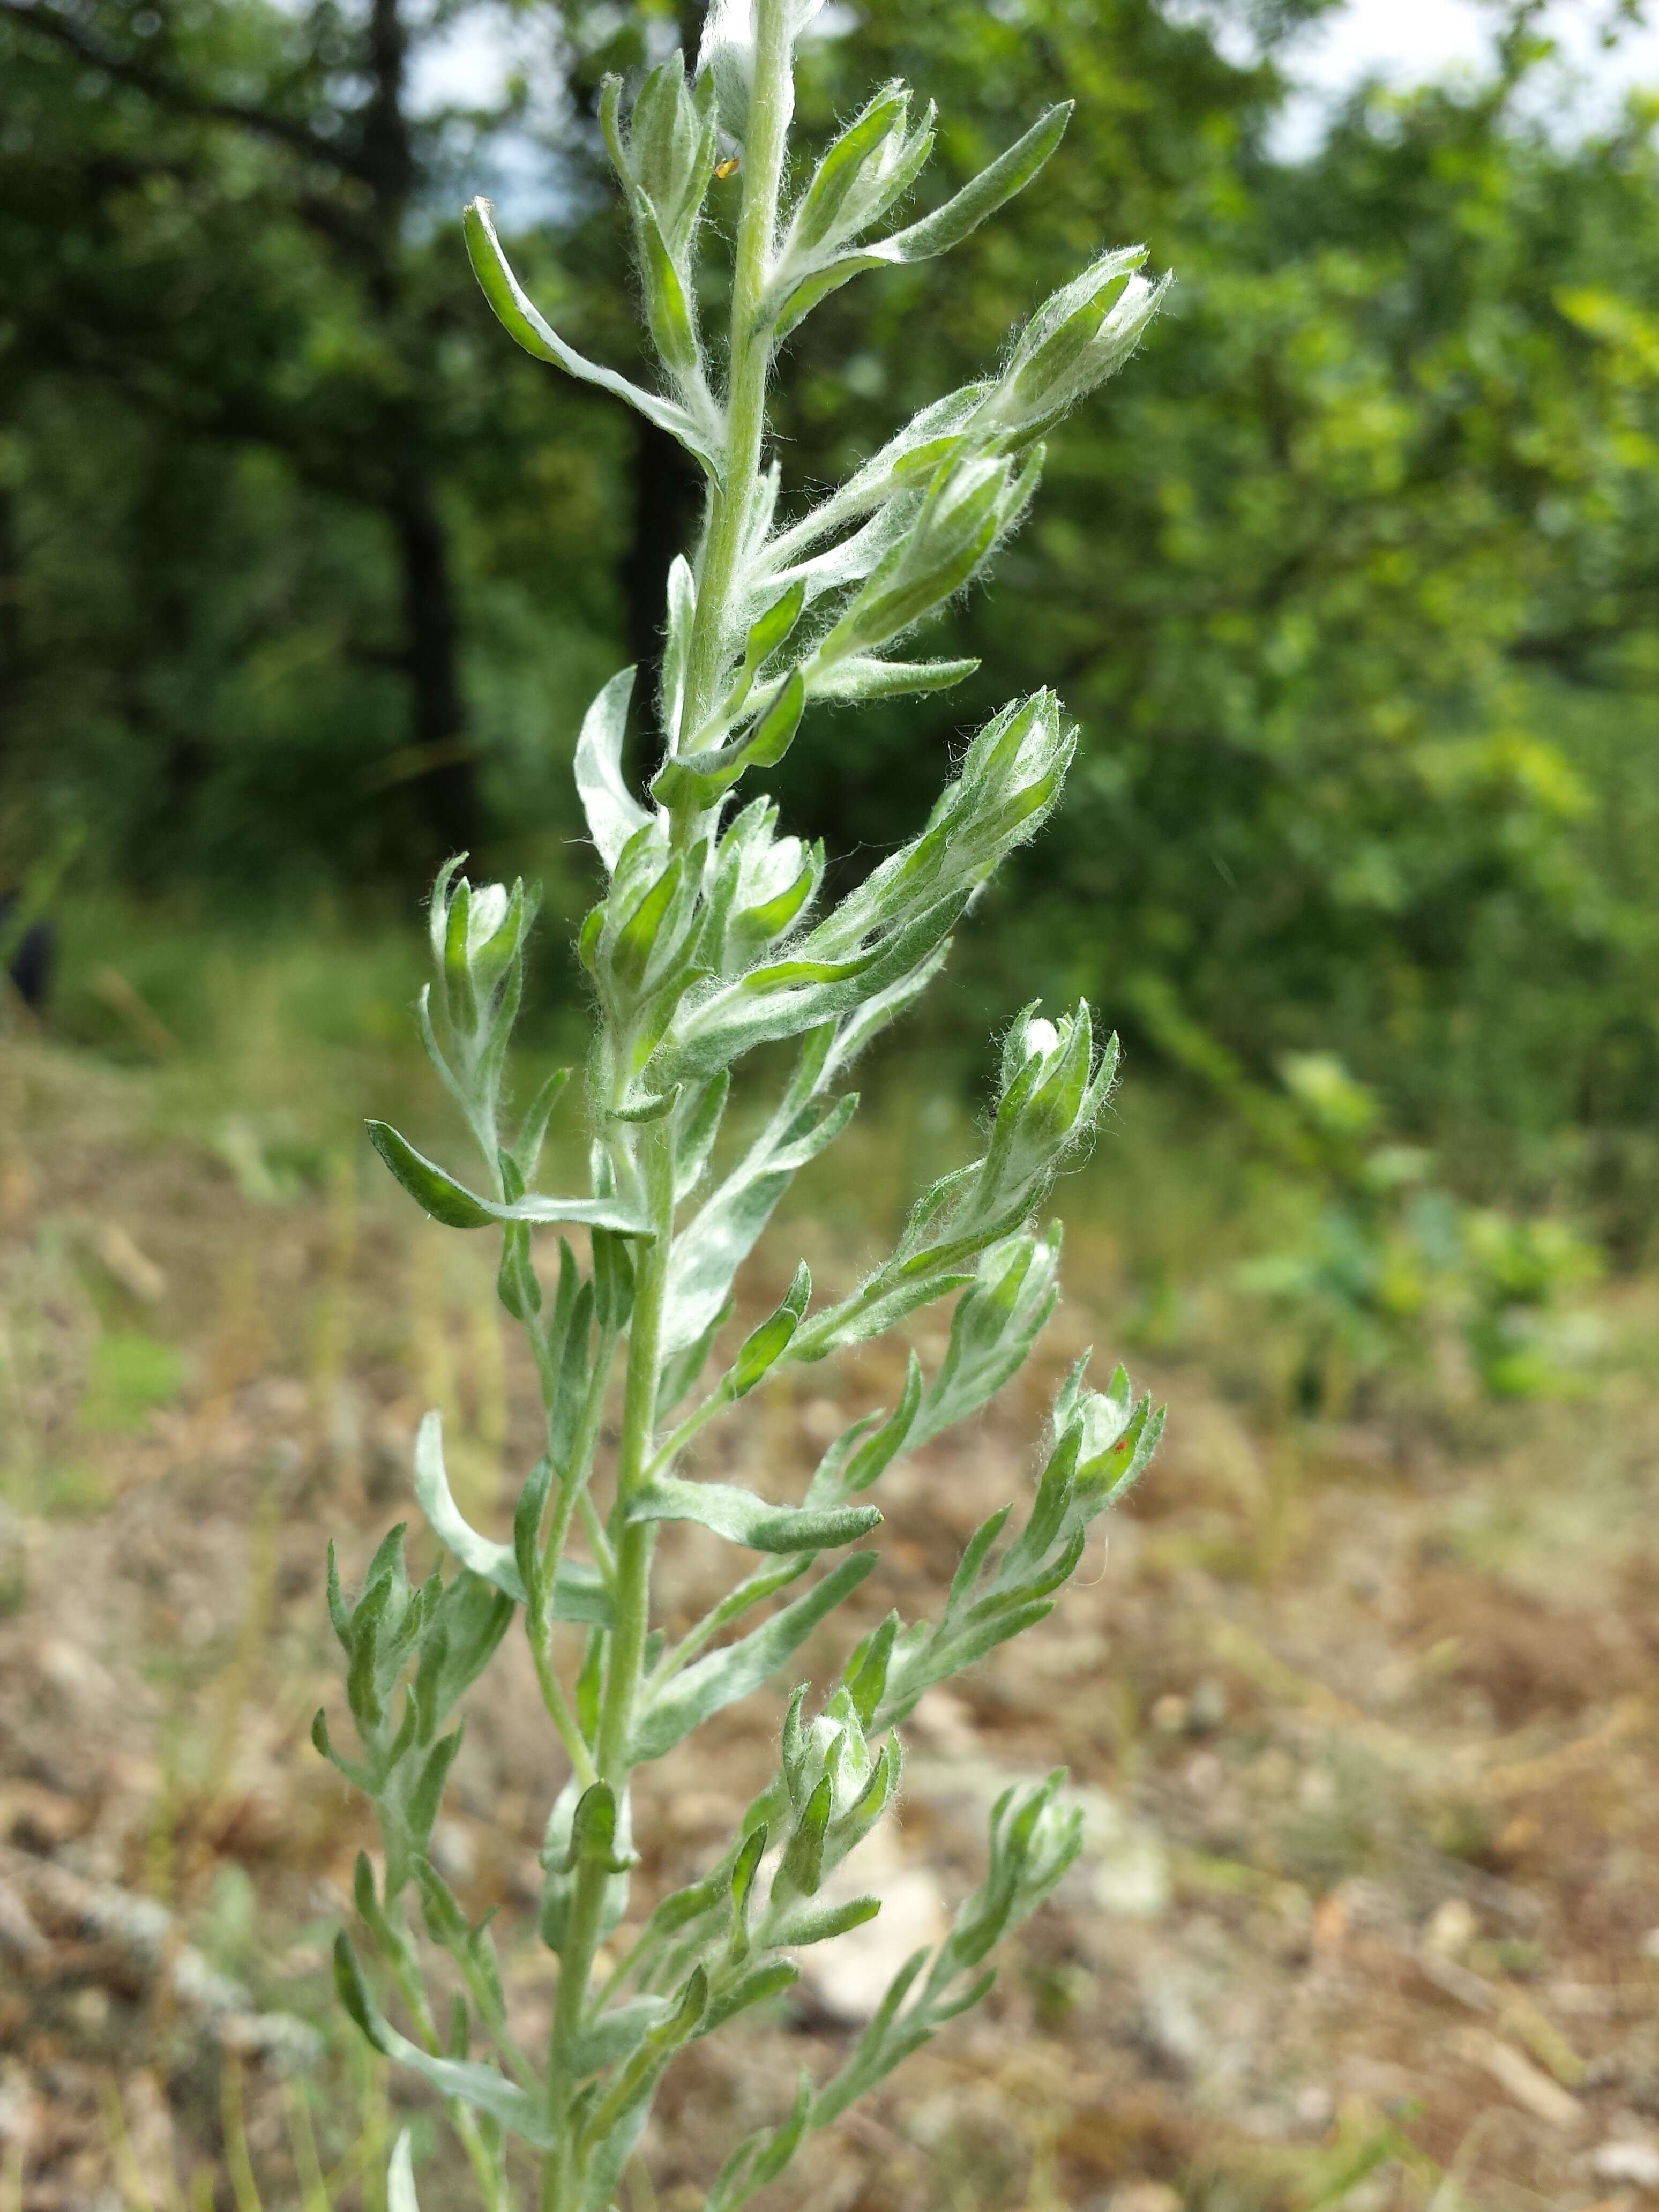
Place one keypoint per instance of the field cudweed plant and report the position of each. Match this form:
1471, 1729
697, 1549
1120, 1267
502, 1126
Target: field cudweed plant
707, 944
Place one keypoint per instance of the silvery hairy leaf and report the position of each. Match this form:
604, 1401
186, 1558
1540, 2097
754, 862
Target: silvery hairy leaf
400, 2178
579, 1595
743, 1518
808, 278
613, 812
523, 321
479, 2086
709, 1684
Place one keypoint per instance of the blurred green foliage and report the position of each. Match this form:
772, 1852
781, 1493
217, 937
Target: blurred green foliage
305, 579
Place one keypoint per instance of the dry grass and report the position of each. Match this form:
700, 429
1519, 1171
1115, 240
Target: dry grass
1367, 1719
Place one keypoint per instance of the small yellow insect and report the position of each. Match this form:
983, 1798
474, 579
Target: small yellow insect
728, 168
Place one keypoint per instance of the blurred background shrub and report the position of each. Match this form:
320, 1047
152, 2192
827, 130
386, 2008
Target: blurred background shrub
304, 579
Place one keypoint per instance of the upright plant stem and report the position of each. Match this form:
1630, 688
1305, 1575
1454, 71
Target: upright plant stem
771, 104
635, 1539
626, 1653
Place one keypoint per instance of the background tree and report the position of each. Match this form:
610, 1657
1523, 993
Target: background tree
1355, 591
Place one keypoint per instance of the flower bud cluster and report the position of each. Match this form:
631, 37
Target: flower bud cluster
1074, 342
868, 168
1054, 1089
970, 506
639, 944
477, 933
664, 153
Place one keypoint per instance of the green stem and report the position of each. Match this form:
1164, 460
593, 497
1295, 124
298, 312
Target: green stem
635, 1539
624, 1657
599, 1539
771, 104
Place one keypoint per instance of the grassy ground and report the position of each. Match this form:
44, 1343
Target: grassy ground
1363, 1708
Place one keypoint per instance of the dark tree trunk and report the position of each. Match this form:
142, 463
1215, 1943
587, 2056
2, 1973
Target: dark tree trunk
444, 772
11, 616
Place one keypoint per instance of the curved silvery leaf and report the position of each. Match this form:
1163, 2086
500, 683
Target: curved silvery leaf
862, 676
613, 813
677, 645
523, 321
743, 1518
579, 1595
446, 1200
400, 2178
725, 1229
480, 2087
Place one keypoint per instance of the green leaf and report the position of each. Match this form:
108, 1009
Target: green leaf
762, 1350
711, 1684
801, 1870
668, 308
578, 1593
743, 1518
753, 1988
481, 2087
594, 1833
400, 2178
613, 813
861, 676
446, 1200
772, 735
992, 188
820, 1924
774, 626
636, 941
522, 321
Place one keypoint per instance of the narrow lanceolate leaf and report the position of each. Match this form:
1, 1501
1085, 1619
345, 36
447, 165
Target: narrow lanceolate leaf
438, 1193
934, 234
613, 812
523, 321
688, 1699
668, 305
762, 1351
862, 676
993, 187
400, 2178
481, 2087
743, 1518
579, 1595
